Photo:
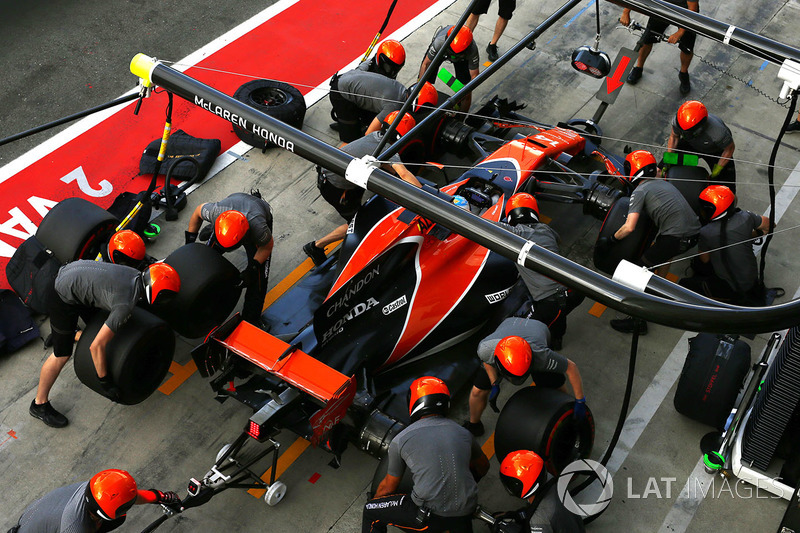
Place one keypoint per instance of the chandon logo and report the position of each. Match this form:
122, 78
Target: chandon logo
395, 305
354, 312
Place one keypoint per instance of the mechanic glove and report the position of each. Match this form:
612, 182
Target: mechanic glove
717, 170
509, 521
167, 498
604, 244
579, 411
249, 276
191, 236
111, 390
494, 392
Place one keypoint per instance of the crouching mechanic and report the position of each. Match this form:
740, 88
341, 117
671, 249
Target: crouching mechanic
100, 504
444, 461
550, 302
345, 196
524, 475
462, 52
241, 219
80, 288
516, 349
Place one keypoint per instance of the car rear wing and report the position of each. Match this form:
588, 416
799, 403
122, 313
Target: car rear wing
326, 386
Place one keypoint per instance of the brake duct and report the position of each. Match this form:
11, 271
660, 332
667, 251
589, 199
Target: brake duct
663, 302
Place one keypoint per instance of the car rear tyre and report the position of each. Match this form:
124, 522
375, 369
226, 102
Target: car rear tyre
541, 420
75, 229
631, 247
137, 358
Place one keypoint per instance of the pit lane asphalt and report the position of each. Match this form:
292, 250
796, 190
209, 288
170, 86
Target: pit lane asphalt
169, 438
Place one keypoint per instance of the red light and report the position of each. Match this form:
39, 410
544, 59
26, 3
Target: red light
580, 65
255, 430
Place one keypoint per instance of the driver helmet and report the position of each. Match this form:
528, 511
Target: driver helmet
640, 164
512, 358
126, 247
110, 493
691, 118
461, 41
230, 228
161, 282
390, 57
428, 96
403, 127
522, 473
716, 202
522, 208
428, 395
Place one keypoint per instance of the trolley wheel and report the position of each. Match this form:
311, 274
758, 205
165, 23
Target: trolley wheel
275, 493
221, 452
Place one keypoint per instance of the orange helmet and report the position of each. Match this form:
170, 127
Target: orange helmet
161, 282
522, 473
640, 164
428, 395
405, 124
230, 228
716, 201
126, 247
512, 357
691, 117
428, 95
522, 208
391, 56
110, 494
462, 40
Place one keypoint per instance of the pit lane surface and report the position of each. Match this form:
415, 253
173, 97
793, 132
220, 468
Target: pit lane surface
169, 438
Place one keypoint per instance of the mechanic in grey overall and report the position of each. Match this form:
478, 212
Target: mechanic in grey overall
254, 234
727, 269
445, 463
516, 349
505, 11
389, 58
81, 288
549, 301
98, 505
655, 27
524, 475
463, 53
345, 196
697, 131
677, 223
358, 93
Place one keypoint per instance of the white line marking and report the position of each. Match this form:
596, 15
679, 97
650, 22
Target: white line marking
692, 494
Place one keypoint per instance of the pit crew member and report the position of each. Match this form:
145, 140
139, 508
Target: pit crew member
463, 53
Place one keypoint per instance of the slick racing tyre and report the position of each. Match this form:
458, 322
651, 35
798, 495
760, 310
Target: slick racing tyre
541, 420
631, 247
690, 181
274, 98
75, 229
137, 358
712, 377
209, 290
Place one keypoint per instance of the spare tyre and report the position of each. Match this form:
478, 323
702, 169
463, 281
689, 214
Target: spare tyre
690, 181
75, 229
209, 290
541, 420
712, 377
274, 98
631, 247
137, 358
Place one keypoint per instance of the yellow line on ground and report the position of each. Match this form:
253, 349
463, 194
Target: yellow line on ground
284, 461
180, 373
597, 309
488, 446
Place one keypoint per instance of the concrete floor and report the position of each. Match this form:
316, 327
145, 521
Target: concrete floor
170, 438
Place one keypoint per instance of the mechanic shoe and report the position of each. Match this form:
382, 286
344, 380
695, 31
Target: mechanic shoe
627, 325
317, 255
47, 414
635, 75
205, 233
334, 126
476, 429
794, 127
686, 85
491, 50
